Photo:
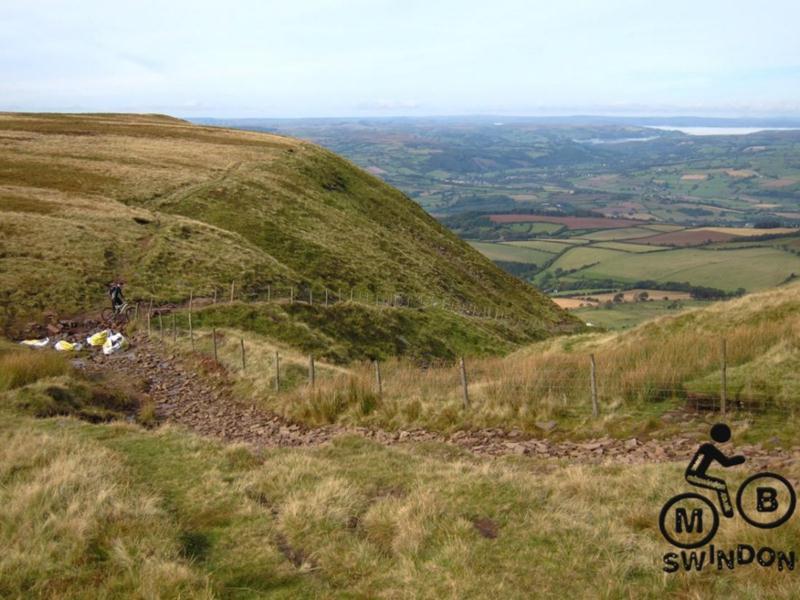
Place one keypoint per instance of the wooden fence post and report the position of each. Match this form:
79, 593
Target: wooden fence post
215, 296
310, 297
269, 293
464, 383
191, 331
291, 295
244, 364
378, 380
136, 314
723, 396
277, 371
593, 378
174, 329
214, 340
312, 376
160, 327
148, 324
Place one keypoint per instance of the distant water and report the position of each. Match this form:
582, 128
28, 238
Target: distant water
616, 140
719, 130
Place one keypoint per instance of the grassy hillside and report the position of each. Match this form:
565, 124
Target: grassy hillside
172, 207
131, 519
116, 510
643, 373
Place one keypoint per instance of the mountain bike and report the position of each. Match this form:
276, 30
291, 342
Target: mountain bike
117, 316
758, 495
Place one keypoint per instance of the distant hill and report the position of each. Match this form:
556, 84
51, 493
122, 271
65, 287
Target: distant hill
172, 207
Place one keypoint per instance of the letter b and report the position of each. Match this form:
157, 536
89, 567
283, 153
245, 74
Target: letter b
766, 499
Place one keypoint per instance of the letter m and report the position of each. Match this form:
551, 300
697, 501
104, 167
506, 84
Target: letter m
683, 522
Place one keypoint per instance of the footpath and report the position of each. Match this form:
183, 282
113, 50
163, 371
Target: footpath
199, 397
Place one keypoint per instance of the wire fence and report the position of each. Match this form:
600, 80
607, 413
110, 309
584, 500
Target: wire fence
314, 295
584, 392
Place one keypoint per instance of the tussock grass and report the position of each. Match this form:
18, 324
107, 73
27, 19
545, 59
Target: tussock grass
21, 366
641, 373
43, 383
120, 511
73, 527
165, 514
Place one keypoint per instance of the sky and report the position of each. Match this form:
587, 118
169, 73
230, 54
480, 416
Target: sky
342, 58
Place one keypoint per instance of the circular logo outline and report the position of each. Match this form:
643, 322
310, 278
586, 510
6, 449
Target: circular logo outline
674, 500
763, 475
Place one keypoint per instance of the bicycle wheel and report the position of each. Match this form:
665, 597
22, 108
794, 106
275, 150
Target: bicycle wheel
107, 315
689, 496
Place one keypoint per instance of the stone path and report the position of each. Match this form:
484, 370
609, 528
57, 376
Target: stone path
203, 403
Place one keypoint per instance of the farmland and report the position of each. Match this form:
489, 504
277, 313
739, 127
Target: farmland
617, 168
727, 259
630, 314
580, 204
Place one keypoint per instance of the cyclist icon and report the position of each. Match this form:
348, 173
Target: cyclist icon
696, 472
764, 500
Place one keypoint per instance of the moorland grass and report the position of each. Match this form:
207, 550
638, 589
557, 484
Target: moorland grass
166, 514
641, 373
21, 366
174, 208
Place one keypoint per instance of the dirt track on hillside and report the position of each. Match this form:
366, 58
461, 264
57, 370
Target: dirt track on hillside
199, 397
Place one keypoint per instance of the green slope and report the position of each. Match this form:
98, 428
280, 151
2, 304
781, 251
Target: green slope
172, 207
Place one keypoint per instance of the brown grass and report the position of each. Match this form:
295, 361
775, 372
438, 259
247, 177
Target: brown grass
73, 528
688, 237
637, 370
19, 368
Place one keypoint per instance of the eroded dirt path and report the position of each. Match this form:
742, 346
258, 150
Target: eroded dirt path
203, 402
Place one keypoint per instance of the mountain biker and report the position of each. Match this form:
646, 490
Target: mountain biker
115, 293
701, 461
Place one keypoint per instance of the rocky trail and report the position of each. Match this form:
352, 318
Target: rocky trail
203, 402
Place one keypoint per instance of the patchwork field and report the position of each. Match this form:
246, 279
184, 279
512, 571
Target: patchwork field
628, 296
596, 253
748, 268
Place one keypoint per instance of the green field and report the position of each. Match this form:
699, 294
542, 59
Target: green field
627, 247
554, 246
749, 268
629, 314
506, 252
578, 258
620, 234
548, 228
